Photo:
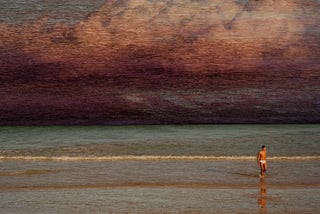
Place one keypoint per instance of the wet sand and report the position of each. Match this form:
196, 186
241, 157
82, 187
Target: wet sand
159, 186
162, 200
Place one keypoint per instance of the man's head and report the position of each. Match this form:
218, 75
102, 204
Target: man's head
263, 147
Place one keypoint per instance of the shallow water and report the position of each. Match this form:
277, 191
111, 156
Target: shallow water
168, 186
159, 187
161, 200
200, 140
159, 169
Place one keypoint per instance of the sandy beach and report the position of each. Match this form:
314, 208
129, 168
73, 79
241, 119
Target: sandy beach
159, 169
159, 186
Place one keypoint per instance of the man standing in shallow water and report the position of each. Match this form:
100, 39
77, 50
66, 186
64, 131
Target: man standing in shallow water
262, 160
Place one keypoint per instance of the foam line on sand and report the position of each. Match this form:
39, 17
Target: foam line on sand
149, 157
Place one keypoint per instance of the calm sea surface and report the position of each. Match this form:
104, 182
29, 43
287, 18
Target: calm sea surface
159, 169
202, 140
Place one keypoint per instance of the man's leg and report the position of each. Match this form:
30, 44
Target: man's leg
261, 169
264, 167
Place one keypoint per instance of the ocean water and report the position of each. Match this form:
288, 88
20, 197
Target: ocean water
159, 169
175, 140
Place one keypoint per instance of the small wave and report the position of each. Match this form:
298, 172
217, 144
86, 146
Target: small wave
150, 157
154, 185
26, 172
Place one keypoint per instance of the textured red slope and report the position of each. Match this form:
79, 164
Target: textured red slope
165, 62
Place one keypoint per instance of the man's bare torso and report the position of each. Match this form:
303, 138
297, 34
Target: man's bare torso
262, 155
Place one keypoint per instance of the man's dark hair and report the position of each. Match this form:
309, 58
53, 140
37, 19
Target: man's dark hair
263, 146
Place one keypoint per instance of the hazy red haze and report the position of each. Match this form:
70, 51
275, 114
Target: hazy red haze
164, 61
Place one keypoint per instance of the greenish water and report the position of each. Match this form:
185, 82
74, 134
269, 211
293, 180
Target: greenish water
200, 140
73, 169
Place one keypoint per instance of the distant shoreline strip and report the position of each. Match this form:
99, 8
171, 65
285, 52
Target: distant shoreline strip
155, 185
151, 157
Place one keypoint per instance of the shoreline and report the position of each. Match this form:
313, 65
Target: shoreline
151, 158
159, 185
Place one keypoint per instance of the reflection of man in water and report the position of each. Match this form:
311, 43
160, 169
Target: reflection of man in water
262, 199
262, 160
